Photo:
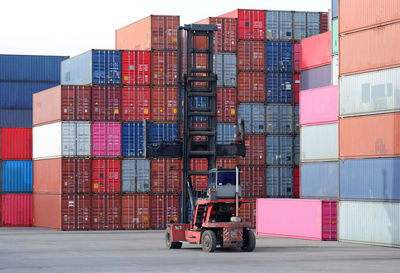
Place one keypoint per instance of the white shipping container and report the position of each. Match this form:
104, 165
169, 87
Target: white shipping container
319, 142
335, 70
369, 222
370, 93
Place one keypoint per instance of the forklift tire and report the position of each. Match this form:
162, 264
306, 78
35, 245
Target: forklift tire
208, 241
168, 243
249, 240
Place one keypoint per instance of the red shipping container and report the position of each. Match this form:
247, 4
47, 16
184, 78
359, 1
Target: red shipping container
255, 150
199, 182
296, 88
106, 175
226, 105
105, 211
164, 104
76, 175
76, 212
225, 38
251, 23
226, 163
251, 87
252, 181
16, 144
297, 57
164, 67
251, 56
106, 103
16, 210
166, 175
323, 22
316, 51
296, 182
248, 212
198, 124
164, 209
135, 103
136, 67
135, 211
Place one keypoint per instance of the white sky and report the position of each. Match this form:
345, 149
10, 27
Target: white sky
70, 27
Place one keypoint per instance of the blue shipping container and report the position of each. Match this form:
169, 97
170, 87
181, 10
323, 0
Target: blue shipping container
16, 118
335, 9
16, 176
253, 115
132, 139
313, 23
299, 26
316, 77
279, 181
373, 179
92, 67
162, 132
296, 151
199, 102
279, 56
226, 133
279, 118
296, 125
279, 149
279, 87
30, 68
135, 175
225, 68
319, 180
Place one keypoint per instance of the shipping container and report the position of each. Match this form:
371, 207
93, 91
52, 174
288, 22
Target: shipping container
369, 223
16, 210
279, 118
155, 32
248, 212
319, 106
335, 9
370, 93
164, 68
319, 180
316, 77
279, 87
226, 163
225, 38
135, 210
62, 103
106, 212
253, 115
299, 25
255, 150
296, 150
225, 68
279, 56
297, 218
162, 132
278, 25
251, 87
251, 23
135, 103
324, 22
198, 102
335, 37
252, 181
374, 179
135, 67
319, 142
166, 175
226, 133
296, 88
279, 149
132, 139
106, 175
164, 104
308, 24
135, 175
251, 56
381, 41
335, 70
75, 214
106, 139
279, 181
16, 176
47, 210
16, 144
296, 57
16, 118
316, 51
164, 209
226, 104
106, 103
92, 67
370, 136
199, 182
296, 182
296, 110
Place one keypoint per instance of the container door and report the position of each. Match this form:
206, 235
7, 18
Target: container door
69, 139
83, 143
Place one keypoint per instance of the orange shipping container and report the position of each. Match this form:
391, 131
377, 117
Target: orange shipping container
47, 210
251, 56
164, 104
164, 67
224, 38
135, 211
370, 136
370, 50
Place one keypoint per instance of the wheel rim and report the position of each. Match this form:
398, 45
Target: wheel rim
207, 241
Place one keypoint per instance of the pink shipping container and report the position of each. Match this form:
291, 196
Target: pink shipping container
296, 57
319, 106
297, 218
16, 210
316, 51
106, 139
226, 105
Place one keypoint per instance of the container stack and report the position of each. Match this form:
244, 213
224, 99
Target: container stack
369, 122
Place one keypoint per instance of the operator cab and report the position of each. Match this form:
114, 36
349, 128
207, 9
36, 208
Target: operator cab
223, 183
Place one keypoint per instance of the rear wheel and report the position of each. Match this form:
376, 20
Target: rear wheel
208, 241
249, 240
169, 243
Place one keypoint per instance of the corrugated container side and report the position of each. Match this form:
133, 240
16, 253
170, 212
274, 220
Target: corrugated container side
278, 25
314, 26
75, 212
296, 57
164, 104
106, 211
279, 181
279, 87
251, 56
227, 163
279, 118
296, 182
279, 56
296, 110
316, 51
253, 115
251, 87
106, 176
248, 212
226, 104
135, 103
252, 181
296, 88
16, 210
296, 150
316, 77
255, 150
335, 70
135, 67
132, 139
48, 176
279, 149
166, 175
299, 25
324, 22
46, 141
16, 144
225, 68
164, 208
135, 175
135, 210
335, 37
162, 132
319, 180
164, 67
16, 176
251, 24
106, 103
224, 38
47, 210
16, 118
106, 139
199, 182
319, 142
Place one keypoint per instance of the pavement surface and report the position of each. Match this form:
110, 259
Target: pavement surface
43, 250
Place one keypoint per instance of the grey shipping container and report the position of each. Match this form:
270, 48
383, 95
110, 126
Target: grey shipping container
76, 138
299, 27
279, 118
296, 150
296, 121
335, 70
253, 115
226, 133
335, 9
313, 23
319, 142
279, 149
225, 67
279, 25
316, 77
135, 175
16, 118
319, 180
279, 181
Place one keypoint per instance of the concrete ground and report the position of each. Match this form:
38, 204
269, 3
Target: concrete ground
42, 250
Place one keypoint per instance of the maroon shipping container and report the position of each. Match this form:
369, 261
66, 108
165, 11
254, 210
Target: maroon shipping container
76, 175
226, 105
106, 175
225, 38
16, 144
248, 212
106, 103
164, 104
105, 211
164, 67
135, 211
252, 181
323, 22
76, 212
251, 87
251, 56
296, 57
296, 88
199, 182
226, 163
136, 67
296, 182
164, 209
197, 124
251, 23
135, 103
16, 210
255, 150
166, 175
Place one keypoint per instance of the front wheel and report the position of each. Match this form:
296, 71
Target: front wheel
169, 243
249, 240
208, 241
